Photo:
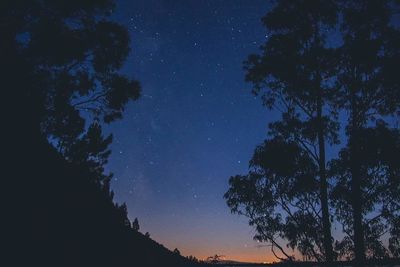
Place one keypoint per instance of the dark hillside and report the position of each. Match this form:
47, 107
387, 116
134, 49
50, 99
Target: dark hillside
65, 219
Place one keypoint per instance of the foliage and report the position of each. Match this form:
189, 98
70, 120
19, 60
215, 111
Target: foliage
380, 172
365, 59
63, 61
215, 258
280, 196
135, 225
292, 74
323, 60
59, 67
176, 251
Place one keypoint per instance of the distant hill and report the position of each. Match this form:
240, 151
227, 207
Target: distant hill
60, 217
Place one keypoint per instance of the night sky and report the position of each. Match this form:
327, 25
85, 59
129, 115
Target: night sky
195, 125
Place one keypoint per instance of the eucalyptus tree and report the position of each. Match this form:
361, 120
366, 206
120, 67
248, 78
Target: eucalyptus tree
368, 88
379, 148
280, 196
293, 74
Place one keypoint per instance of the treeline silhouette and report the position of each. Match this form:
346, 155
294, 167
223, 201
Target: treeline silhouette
331, 69
59, 67
67, 220
368, 263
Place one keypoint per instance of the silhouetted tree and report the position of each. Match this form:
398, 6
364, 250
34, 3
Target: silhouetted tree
312, 66
215, 258
147, 234
135, 225
90, 151
292, 75
193, 258
70, 54
59, 70
366, 58
379, 149
176, 251
280, 197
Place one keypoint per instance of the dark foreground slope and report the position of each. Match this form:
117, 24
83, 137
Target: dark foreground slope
59, 217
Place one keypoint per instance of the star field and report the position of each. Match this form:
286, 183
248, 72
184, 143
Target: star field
195, 125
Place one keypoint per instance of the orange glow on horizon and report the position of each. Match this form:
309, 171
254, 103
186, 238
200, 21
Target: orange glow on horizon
241, 249
245, 256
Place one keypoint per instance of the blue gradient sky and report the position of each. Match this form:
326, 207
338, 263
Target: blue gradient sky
196, 124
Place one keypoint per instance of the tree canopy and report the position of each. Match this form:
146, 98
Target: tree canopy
328, 68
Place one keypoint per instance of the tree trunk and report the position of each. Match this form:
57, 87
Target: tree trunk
359, 246
326, 224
